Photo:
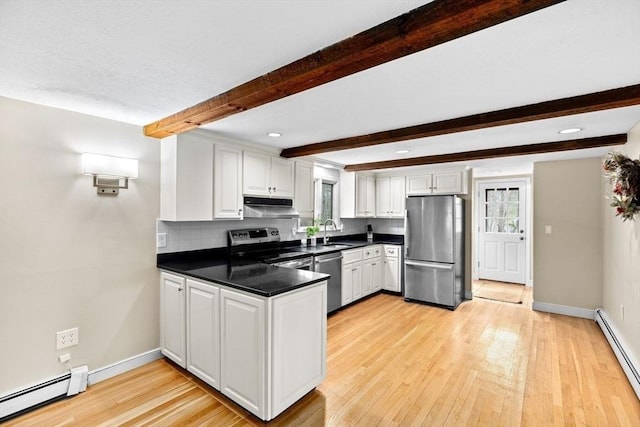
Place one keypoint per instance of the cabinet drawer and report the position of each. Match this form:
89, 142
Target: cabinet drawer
391, 251
368, 252
377, 251
351, 255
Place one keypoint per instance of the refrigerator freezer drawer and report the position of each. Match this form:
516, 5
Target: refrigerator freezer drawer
431, 282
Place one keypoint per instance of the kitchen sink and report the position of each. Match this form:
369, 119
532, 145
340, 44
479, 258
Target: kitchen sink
334, 246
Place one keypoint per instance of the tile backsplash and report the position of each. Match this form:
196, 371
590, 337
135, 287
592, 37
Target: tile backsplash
194, 235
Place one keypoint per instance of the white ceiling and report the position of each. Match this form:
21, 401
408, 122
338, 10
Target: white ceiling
139, 60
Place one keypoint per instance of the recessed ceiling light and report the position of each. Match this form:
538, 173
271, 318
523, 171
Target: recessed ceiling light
274, 134
402, 151
570, 130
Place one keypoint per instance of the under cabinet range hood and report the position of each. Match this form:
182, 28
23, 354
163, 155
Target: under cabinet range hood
263, 207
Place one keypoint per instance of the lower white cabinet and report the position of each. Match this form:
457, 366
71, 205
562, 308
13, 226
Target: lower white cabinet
203, 331
298, 345
172, 318
243, 347
351, 275
371, 269
264, 353
391, 263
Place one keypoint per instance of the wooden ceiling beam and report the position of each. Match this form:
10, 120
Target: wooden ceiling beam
424, 27
519, 150
614, 98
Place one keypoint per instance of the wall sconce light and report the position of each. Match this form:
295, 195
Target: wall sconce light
109, 171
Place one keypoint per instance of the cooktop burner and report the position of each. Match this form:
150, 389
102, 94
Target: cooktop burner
260, 244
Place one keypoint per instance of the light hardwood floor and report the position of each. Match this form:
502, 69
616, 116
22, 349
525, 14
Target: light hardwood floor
396, 363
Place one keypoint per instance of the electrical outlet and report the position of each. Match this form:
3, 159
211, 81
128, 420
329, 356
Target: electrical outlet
67, 338
161, 240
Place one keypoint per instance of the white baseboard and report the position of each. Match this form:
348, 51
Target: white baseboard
44, 391
564, 309
628, 362
123, 366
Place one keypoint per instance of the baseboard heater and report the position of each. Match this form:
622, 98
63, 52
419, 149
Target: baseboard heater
628, 364
17, 403
68, 384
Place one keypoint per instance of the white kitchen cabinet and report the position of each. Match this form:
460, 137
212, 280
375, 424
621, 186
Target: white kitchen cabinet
203, 331
390, 195
303, 194
368, 266
200, 180
351, 275
372, 273
376, 274
367, 277
186, 178
437, 182
391, 267
227, 182
243, 350
298, 350
347, 284
267, 176
264, 353
365, 195
172, 318
357, 195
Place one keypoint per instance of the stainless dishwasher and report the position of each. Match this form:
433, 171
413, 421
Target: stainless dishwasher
331, 264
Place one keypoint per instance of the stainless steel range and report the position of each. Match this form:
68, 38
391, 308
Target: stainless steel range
263, 245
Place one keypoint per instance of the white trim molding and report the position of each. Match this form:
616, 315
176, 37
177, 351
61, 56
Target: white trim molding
123, 366
468, 294
54, 388
564, 309
628, 362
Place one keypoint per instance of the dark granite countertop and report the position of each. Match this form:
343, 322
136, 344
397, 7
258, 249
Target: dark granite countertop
342, 243
214, 265
250, 276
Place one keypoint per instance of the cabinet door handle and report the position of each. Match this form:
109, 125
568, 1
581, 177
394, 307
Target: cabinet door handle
269, 189
274, 189
179, 289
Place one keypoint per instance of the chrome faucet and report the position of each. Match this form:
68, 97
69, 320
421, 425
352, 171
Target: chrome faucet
326, 239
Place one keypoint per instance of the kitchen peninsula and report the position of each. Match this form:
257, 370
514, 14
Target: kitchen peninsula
255, 332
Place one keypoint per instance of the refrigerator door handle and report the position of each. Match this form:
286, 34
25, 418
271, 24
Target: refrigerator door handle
406, 234
429, 265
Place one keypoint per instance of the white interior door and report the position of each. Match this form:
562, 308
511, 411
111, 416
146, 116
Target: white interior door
502, 231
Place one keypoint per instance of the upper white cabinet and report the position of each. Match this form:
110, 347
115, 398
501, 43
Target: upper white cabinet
227, 183
390, 195
437, 182
357, 195
199, 179
303, 194
267, 176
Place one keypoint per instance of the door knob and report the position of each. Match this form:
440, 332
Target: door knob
521, 238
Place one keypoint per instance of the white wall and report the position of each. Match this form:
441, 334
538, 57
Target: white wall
69, 257
621, 265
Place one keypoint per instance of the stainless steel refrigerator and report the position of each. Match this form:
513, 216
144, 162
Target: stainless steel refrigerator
434, 250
